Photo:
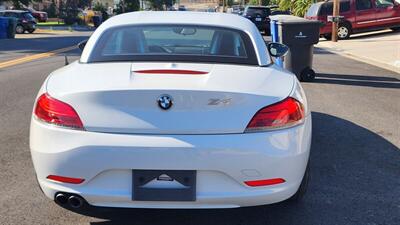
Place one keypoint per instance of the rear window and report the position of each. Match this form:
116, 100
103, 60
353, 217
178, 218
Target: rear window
257, 11
174, 43
313, 10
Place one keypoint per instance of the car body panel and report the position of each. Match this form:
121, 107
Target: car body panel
222, 162
126, 102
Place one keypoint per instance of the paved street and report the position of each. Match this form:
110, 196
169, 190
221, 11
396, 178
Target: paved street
354, 160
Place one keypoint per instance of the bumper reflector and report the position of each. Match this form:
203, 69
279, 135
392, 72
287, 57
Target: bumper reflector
69, 180
257, 183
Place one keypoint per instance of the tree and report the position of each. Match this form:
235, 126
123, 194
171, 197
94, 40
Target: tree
51, 10
301, 7
128, 6
297, 7
18, 4
256, 2
161, 4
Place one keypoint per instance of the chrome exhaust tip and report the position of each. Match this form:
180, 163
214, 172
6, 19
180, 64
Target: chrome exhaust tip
75, 201
61, 198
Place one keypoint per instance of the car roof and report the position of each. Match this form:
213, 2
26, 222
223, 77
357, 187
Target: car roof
258, 6
173, 17
224, 20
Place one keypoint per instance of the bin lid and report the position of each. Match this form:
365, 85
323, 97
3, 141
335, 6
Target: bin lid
289, 19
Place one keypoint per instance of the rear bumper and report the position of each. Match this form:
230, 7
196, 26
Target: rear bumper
222, 162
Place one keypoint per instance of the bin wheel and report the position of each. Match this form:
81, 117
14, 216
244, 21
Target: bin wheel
307, 75
19, 29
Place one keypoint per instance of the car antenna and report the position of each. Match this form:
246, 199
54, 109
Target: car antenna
66, 60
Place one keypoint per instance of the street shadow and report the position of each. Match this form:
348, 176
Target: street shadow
38, 45
358, 80
354, 180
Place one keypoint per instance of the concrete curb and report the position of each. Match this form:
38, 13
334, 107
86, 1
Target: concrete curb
395, 68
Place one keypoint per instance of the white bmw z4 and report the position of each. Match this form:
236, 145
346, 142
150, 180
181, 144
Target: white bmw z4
172, 110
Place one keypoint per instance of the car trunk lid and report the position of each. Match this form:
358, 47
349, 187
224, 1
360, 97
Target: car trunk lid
207, 98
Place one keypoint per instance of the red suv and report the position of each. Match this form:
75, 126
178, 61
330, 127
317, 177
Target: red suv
358, 16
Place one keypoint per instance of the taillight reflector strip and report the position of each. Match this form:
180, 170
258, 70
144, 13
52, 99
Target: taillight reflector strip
258, 183
69, 180
172, 71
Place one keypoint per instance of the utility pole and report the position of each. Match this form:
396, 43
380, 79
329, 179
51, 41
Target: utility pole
335, 20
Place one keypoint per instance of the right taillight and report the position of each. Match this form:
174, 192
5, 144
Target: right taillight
286, 113
53, 111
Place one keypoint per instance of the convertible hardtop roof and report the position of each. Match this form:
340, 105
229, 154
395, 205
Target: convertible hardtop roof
223, 20
181, 17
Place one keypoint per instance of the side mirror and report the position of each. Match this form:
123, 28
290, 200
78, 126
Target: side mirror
277, 50
82, 45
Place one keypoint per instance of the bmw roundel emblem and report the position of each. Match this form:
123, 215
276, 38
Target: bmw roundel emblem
165, 102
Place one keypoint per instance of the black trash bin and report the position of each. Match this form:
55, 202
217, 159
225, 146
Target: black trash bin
299, 35
96, 21
12, 24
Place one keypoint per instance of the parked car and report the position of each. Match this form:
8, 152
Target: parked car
172, 110
237, 9
182, 8
358, 16
39, 15
276, 11
259, 15
26, 22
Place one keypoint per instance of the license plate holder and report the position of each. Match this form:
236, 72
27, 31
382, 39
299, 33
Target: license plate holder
142, 193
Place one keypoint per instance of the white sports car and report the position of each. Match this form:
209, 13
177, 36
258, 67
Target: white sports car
172, 110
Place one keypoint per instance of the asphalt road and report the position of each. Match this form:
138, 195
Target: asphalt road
354, 161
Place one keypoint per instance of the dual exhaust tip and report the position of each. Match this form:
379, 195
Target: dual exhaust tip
72, 200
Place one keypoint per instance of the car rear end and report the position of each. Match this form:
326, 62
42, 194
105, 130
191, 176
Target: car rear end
111, 138
259, 16
189, 134
28, 21
42, 17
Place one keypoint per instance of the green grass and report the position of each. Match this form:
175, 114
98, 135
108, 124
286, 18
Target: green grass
51, 24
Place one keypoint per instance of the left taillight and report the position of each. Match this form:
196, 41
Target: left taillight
53, 111
286, 113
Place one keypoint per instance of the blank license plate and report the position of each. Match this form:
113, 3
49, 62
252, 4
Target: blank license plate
143, 190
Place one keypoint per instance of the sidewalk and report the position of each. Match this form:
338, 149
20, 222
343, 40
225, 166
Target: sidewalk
380, 48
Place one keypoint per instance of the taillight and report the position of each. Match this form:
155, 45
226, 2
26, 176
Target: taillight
286, 113
53, 111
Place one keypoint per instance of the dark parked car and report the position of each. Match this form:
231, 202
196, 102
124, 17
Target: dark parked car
26, 22
259, 15
39, 15
358, 16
